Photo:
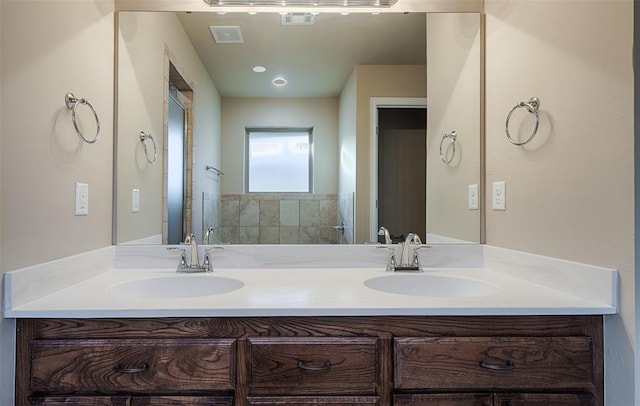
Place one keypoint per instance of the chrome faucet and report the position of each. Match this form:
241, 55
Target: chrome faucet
409, 260
207, 236
384, 232
191, 264
191, 241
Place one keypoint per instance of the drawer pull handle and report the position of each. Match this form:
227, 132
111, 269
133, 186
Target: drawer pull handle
302, 365
122, 370
495, 367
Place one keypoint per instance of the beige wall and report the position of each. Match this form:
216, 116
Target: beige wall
49, 49
570, 192
319, 113
377, 81
453, 94
142, 82
42, 156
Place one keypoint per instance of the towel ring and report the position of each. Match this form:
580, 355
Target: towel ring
72, 102
143, 139
532, 105
452, 143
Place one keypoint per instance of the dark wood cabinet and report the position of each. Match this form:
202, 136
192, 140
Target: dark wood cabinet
348, 361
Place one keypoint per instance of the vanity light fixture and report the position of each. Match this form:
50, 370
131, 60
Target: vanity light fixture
303, 3
279, 81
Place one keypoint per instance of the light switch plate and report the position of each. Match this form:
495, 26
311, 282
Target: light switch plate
499, 196
473, 197
135, 200
82, 199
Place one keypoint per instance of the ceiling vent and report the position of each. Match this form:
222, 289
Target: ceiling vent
226, 34
298, 19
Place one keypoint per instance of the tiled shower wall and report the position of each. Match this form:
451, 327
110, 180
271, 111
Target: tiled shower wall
277, 218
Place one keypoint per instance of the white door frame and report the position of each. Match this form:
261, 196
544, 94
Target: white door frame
376, 103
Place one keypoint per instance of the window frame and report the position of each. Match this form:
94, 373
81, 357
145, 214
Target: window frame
276, 130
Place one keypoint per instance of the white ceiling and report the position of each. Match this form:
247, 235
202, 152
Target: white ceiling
316, 60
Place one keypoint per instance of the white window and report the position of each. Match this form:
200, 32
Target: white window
279, 160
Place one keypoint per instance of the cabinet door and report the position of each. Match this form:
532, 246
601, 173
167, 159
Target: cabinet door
313, 400
81, 401
182, 400
444, 399
543, 399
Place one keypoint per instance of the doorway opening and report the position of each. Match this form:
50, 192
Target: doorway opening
398, 167
178, 164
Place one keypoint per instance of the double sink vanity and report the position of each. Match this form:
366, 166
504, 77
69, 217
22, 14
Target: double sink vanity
310, 325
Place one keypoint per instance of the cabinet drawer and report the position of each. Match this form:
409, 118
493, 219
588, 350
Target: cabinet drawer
493, 363
132, 365
325, 365
135, 401
543, 399
182, 401
313, 400
444, 399
81, 401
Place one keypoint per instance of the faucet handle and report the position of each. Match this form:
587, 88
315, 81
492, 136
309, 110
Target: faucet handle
183, 257
391, 261
206, 264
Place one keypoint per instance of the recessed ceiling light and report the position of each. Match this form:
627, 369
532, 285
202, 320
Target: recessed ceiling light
344, 14
279, 81
252, 13
259, 69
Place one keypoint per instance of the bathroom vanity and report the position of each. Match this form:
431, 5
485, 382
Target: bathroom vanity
481, 326
375, 360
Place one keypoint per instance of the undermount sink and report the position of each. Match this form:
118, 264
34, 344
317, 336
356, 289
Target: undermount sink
177, 286
432, 285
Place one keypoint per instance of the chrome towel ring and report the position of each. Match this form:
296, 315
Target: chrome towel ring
72, 102
143, 139
532, 106
452, 144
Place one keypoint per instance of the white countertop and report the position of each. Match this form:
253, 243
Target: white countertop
314, 291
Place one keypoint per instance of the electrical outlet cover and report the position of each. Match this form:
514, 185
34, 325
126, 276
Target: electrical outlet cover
82, 199
499, 196
135, 200
473, 197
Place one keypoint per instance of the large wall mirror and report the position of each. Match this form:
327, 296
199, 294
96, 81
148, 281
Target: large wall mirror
216, 112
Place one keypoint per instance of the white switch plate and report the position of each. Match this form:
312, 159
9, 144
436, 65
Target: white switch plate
82, 199
499, 196
473, 197
135, 200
